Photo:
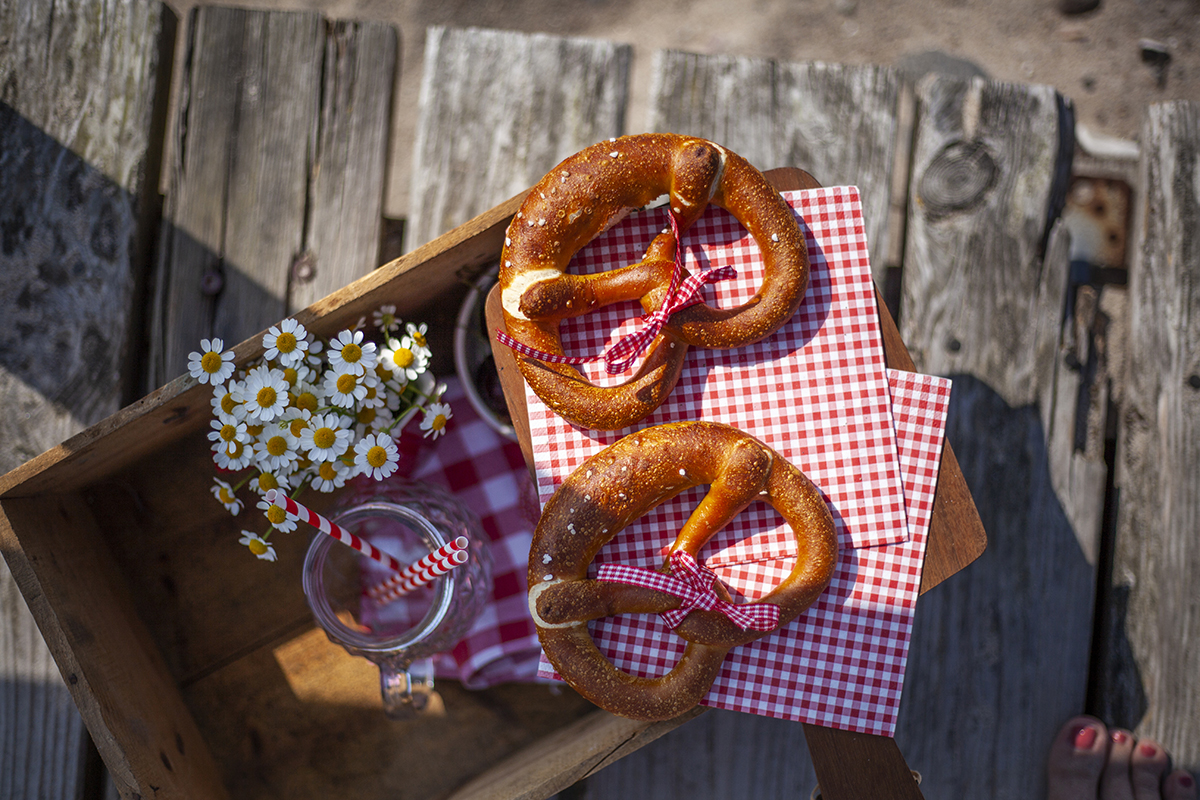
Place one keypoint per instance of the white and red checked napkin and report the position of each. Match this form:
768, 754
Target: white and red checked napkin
819, 393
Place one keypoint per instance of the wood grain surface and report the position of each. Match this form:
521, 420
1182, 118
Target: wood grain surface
81, 107
999, 654
1149, 681
275, 193
498, 110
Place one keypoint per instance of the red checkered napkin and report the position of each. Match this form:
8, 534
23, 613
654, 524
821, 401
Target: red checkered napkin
817, 392
488, 473
841, 663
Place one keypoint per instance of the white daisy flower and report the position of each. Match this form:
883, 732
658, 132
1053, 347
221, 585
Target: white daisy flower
227, 428
347, 390
331, 475
348, 353
224, 493
268, 480
264, 394
326, 437
296, 375
234, 456
308, 396
257, 545
416, 339
386, 319
376, 396
405, 362
372, 420
294, 419
276, 449
376, 455
436, 417
286, 343
223, 401
211, 365
277, 516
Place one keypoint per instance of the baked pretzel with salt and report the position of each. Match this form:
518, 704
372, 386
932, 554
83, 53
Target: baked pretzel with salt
584, 196
621, 483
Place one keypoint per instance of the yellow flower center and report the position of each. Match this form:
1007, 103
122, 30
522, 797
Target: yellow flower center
346, 383
366, 416
267, 482
439, 422
234, 449
257, 546
228, 404
290, 375
211, 362
298, 425
225, 496
254, 430
285, 342
307, 401
351, 353
228, 432
276, 515
324, 438
327, 471
419, 338
266, 397
403, 357
387, 320
277, 445
382, 372
377, 456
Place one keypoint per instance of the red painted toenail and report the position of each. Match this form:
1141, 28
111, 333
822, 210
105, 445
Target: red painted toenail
1186, 781
1085, 737
1120, 737
1148, 750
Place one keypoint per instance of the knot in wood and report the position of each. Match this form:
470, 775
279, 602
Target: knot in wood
958, 178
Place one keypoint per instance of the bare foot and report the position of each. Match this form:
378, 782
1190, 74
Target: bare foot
1089, 762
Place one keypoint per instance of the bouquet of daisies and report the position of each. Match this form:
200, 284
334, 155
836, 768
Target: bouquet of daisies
313, 413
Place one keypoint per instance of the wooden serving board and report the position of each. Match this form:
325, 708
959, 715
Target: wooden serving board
847, 764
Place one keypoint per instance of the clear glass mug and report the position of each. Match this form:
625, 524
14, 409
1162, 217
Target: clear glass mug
407, 520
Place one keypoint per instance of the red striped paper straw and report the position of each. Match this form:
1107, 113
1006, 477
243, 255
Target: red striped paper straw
421, 572
297, 511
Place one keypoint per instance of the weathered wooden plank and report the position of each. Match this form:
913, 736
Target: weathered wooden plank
999, 655
81, 91
1149, 681
280, 148
498, 110
345, 213
836, 122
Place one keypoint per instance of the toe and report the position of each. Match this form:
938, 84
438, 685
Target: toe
1146, 768
1179, 785
1115, 783
1076, 759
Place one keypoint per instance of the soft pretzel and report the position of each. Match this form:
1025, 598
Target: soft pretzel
586, 194
618, 485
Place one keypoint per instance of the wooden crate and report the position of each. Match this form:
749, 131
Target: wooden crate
198, 671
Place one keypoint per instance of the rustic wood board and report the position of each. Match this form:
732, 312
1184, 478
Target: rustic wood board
837, 122
498, 110
82, 97
1148, 680
999, 655
275, 190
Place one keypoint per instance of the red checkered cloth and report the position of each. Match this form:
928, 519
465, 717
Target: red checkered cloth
488, 473
817, 392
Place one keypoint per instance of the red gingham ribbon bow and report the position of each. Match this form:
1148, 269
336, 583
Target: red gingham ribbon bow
621, 355
692, 583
